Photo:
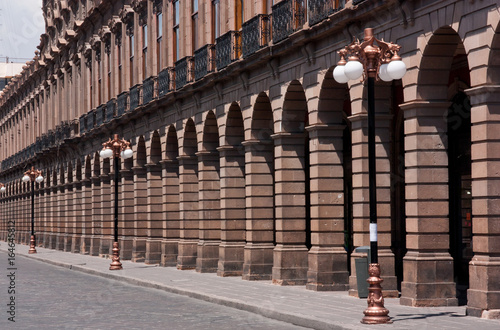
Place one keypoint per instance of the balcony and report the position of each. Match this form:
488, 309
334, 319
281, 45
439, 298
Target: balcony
288, 17
148, 90
165, 81
135, 96
121, 103
183, 71
203, 61
110, 110
99, 115
255, 34
227, 49
90, 120
83, 125
318, 10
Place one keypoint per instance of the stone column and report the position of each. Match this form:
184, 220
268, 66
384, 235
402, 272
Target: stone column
126, 214
78, 215
209, 213
54, 215
259, 178
69, 218
484, 269
171, 228
155, 213
95, 237
140, 212
61, 216
85, 242
188, 208
290, 253
327, 257
107, 216
232, 210
427, 266
361, 198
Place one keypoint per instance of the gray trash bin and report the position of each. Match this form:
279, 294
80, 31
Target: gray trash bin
362, 271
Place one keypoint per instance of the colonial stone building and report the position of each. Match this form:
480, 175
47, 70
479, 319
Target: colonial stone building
249, 159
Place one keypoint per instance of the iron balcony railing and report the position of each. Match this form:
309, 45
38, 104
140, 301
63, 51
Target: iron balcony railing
99, 115
227, 49
355, 2
165, 81
255, 34
148, 90
110, 110
121, 103
183, 71
90, 120
288, 17
83, 124
135, 96
204, 61
318, 10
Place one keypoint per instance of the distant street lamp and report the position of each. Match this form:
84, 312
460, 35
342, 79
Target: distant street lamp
116, 148
2, 188
32, 175
368, 61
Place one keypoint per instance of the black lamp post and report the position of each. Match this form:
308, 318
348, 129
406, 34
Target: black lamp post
116, 148
32, 176
371, 61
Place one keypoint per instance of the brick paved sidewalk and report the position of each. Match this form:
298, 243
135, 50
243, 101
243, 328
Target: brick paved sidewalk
319, 310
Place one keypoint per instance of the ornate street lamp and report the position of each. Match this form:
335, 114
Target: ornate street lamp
32, 175
370, 61
116, 148
2, 188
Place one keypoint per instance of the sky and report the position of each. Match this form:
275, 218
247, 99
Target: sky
21, 23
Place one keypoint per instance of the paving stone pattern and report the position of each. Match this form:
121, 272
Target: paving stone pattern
292, 304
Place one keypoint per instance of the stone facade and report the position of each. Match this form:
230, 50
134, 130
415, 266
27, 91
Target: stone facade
249, 159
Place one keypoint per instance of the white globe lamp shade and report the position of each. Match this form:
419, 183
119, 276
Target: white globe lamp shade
2, 189
127, 153
353, 69
39, 179
396, 69
26, 178
339, 75
106, 153
382, 73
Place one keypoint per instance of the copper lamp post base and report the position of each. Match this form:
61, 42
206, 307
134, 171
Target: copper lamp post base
376, 313
116, 264
32, 249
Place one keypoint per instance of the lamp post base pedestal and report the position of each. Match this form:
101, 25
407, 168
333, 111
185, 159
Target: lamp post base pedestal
32, 249
376, 313
116, 264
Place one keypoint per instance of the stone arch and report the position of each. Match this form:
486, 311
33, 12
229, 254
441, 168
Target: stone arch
333, 104
210, 140
155, 150
234, 126
141, 152
189, 145
172, 148
262, 118
295, 112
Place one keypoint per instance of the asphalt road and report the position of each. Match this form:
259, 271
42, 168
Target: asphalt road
51, 297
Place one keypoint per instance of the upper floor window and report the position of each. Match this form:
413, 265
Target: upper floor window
215, 20
176, 40
144, 49
238, 14
159, 37
194, 25
131, 51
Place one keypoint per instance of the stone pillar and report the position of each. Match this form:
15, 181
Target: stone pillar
209, 214
78, 216
85, 242
126, 215
290, 253
54, 217
232, 210
107, 216
188, 208
96, 216
327, 257
140, 212
171, 231
155, 214
259, 179
361, 197
427, 266
483, 296
70, 216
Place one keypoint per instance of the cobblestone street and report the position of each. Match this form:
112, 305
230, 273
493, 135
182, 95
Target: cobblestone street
51, 297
